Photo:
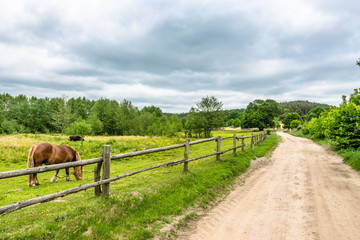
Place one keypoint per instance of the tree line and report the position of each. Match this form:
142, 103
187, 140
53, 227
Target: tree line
81, 116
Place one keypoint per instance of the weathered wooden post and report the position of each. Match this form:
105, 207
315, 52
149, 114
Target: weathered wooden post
234, 141
106, 170
186, 154
242, 143
97, 176
252, 141
264, 134
218, 148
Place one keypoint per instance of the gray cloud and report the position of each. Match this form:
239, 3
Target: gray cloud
172, 54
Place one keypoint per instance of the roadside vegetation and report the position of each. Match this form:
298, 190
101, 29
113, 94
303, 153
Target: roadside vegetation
138, 207
338, 127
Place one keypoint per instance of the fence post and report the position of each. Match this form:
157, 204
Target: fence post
234, 151
242, 143
97, 176
252, 141
264, 134
106, 169
186, 154
218, 148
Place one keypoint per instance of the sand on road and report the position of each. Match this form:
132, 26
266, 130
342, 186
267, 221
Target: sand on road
303, 191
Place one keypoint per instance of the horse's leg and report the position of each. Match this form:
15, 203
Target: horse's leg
31, 180
67, 175
53, 179
36, 179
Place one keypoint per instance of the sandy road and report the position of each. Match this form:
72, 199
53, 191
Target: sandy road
302, 192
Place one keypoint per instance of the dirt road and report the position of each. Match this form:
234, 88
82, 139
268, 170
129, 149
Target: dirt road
303, 191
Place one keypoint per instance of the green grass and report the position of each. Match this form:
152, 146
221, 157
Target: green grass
166, 192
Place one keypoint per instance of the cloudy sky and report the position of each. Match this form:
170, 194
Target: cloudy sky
172, 53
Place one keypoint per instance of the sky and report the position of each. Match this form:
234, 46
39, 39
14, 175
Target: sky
170, 54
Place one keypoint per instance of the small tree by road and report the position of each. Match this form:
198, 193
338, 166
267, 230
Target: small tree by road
206, 116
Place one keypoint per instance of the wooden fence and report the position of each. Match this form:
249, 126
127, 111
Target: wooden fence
104, 163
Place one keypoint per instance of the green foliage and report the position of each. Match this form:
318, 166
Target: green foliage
80, 127
341, 125
260, 114
291, 117
301, 107
314, 113
205, 117
295, 123
106, 117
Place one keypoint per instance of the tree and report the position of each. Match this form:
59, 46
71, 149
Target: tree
295, 123
314, 113
80, 128
207, 115
260, 114
358, 62
355, 97
291, 117
95, 123
128, 119
61, 116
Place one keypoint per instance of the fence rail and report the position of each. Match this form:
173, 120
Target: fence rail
104, 162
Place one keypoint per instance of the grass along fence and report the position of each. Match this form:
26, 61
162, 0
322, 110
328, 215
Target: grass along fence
102, 184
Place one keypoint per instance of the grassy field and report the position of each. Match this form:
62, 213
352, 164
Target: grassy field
165, 193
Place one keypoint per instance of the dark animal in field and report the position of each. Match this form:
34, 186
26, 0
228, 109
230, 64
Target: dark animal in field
76, 138
46, 153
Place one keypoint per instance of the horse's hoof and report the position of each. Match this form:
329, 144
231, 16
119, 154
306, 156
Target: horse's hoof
69, 180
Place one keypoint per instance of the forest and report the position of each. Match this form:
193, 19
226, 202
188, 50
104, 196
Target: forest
81, 116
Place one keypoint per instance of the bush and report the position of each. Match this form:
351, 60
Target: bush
295, 123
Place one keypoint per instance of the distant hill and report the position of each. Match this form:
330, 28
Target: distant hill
302, 107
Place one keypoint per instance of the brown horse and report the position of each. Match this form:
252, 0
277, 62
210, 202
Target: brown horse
46, 153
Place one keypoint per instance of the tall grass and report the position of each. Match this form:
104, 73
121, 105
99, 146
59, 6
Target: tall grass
161, 194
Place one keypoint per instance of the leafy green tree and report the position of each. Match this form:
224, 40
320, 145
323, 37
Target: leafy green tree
192, 125
209, 115
105, 110
61, 115
291, 117
152, 109
355, 97
260, 114
80, 128
95, 123
314, 113
8, 127
146, 120
295, 123
128, 119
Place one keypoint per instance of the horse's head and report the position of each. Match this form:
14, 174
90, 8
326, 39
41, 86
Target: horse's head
78, 172
79, 169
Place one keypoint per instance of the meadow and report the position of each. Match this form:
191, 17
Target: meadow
164, 197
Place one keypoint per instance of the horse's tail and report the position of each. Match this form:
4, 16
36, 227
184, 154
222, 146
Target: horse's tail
30, 163
31, 159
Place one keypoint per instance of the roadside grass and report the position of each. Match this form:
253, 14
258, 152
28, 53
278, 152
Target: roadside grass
350, 156
164, 194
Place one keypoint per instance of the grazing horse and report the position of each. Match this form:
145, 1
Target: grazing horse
46, 153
